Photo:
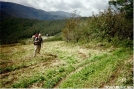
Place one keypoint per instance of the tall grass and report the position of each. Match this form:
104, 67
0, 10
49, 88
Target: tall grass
99, 72
63, 65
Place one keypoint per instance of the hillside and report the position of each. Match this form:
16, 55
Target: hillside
63, 65
20, 11
15, 29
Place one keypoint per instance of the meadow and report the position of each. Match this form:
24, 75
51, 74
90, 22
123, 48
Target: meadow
65, 65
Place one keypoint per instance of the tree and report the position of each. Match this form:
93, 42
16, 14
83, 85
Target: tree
124, 6
72, 30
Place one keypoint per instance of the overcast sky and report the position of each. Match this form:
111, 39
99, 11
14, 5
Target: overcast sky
83, 7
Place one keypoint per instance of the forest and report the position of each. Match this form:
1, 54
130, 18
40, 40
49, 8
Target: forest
15, 29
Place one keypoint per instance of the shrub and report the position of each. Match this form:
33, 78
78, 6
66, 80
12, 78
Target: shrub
108, 25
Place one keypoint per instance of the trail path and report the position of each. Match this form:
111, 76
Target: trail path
53, 55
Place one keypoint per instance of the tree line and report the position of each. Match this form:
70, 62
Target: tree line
14, 29
115, 26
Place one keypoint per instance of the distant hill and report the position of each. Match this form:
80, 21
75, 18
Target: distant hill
14, 29
60, 13
17, 10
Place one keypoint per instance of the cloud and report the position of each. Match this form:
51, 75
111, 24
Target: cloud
85, 7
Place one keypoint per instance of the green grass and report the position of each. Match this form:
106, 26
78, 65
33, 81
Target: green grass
26, 82
98, 73
50, 78
64, 65
54, 76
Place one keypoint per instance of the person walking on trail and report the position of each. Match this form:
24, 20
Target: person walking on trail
37, 43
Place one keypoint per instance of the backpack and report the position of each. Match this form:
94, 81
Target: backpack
35, 39
34, 36
39, 41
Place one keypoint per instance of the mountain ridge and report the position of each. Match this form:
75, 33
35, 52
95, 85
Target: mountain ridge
21, 11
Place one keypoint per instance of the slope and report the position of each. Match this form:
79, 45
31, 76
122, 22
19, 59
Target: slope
15, 29
17, 10
65, 65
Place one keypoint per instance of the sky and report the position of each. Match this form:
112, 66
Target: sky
84, 8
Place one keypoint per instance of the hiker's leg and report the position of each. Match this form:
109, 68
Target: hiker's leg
35, 50
39, 47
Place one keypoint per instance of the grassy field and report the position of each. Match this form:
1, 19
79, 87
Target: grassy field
65, 65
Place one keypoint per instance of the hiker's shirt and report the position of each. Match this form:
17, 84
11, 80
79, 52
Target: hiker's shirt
38, 41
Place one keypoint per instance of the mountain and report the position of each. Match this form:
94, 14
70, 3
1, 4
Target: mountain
60, 13
20, 11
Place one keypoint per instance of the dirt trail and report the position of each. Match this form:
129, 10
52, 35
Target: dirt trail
73, 72
119, 70
38, 67
24, 69
58, 52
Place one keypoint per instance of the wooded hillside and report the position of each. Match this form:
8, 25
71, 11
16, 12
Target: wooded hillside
14, 29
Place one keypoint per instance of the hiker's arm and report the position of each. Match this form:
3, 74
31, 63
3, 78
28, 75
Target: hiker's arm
36, 40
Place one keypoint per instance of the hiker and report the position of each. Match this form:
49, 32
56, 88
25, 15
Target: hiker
47, 35
37, 43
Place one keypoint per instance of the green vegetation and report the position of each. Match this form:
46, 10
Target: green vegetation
99, 72
124, 6
63, 65
15, 29
108, 26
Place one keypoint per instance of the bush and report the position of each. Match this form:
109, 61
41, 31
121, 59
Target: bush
110, 26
